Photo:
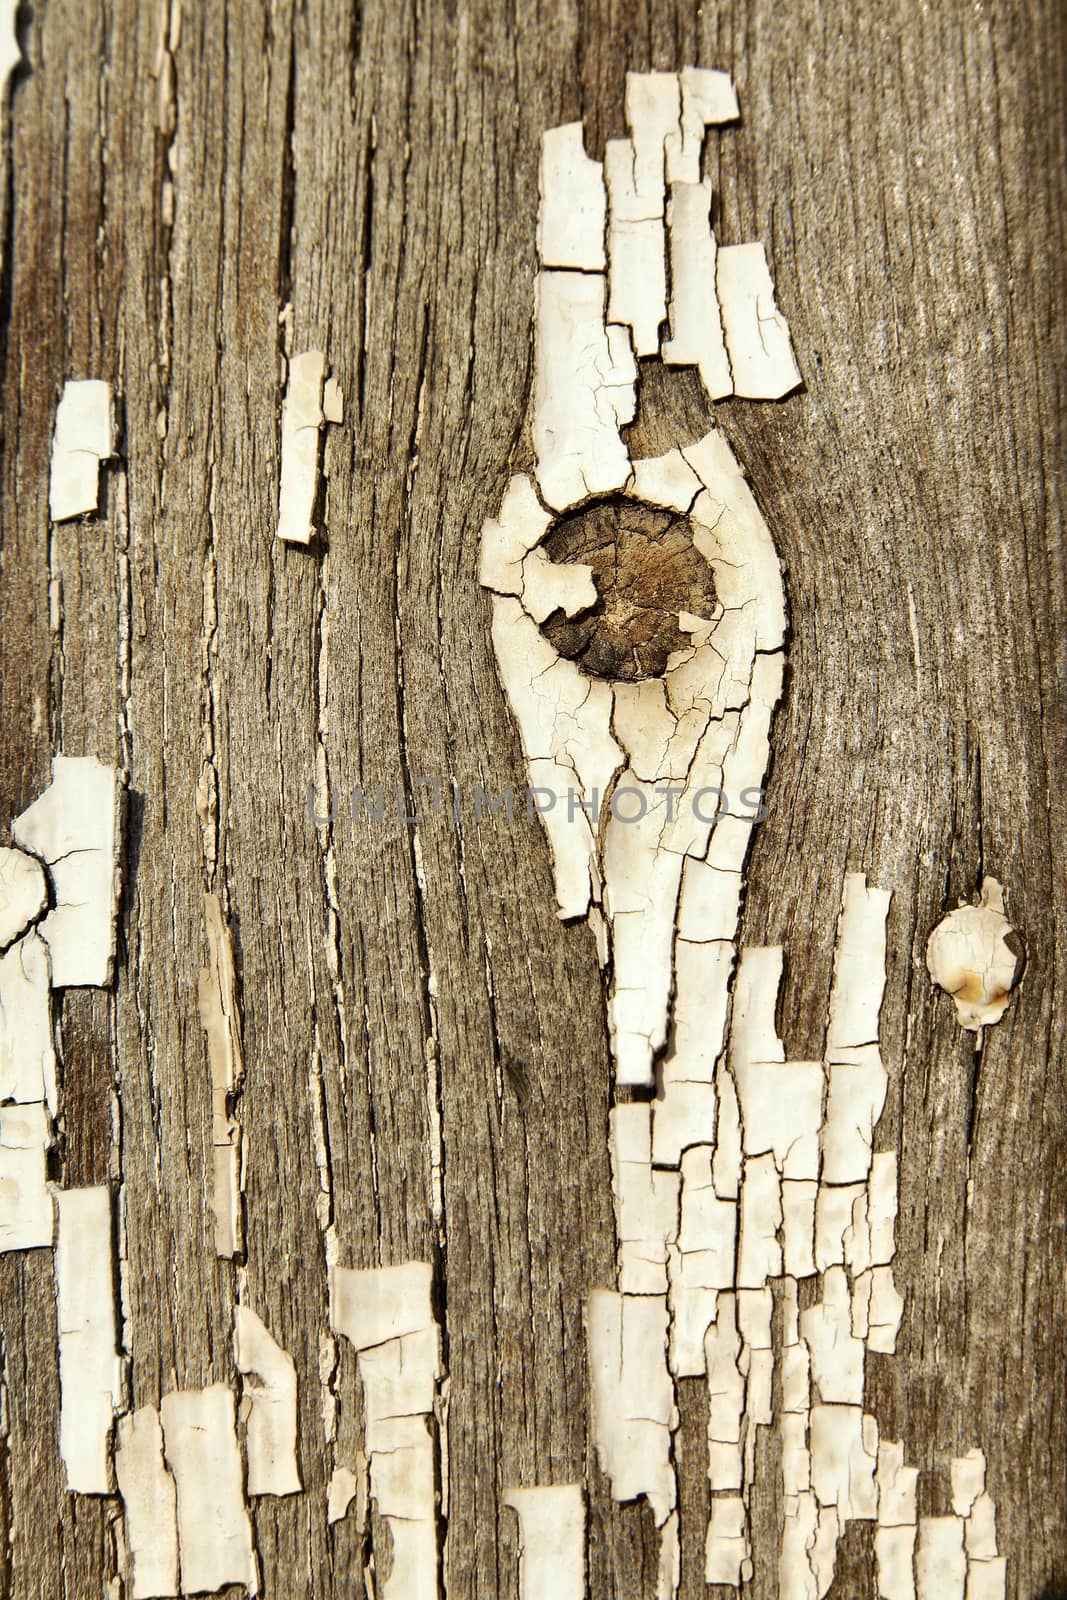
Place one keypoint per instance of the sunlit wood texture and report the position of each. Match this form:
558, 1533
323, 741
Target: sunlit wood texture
374, 167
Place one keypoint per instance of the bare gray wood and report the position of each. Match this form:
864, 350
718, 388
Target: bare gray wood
375, 166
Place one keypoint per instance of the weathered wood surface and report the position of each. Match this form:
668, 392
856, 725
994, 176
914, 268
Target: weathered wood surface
376, 166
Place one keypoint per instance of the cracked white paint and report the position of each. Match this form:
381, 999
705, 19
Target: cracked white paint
387, 1314
149, 1506
221, 1018
969, 957
697, 337
27, 1051
90, 1369
84, 436
940, 1559
271, 1401
646, 1202
74, 828
726, 1553
570, 228
551, 1541
583, 390
311, 400
342, 1489
27, 1220
757, 335
202, 1453
23, 893
634, 1414
708, 100
746, 1165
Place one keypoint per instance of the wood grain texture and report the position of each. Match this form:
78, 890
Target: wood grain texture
375, 166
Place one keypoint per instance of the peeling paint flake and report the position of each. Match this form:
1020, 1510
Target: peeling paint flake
940, 1562
303, 418
27, 1220
633, 1396
551, 1541
214, 1530
271, 1439
27, 1052
90, 1371
726, 1553
23, 893
974, 955
84, 436
859, 969
757, 335
149, 1504
584, 390
74, 828
708, 100
570, 232
696, 325
387, 1313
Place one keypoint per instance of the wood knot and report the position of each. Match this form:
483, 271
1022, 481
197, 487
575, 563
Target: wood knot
647, 571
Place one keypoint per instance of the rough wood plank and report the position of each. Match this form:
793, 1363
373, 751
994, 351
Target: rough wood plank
377, 168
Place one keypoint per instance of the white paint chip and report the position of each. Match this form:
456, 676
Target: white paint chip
214, 1530
84, 436
844, 1447
372, 1305
387, 1313
551, 1541
220, 1016
987, 1580
27, 1051
90, 1373
27, 1219
894, 1550
726, 1551
695, 322
859, 969
74, 828
303, 419
342, 1490
271, 1438
23, 893
837, 1358
583, 391
708, 99
633, 1396
940, 1562
968, 955
757, 335
570, 232
149, 1505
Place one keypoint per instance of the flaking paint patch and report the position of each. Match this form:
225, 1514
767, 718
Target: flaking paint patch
90, 1370
745, 1164
311, 401
84, 437
974, 955
214, 1530
75, 829
23, 893
387, 1314
149, 1506
269, 1389
551, 1541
